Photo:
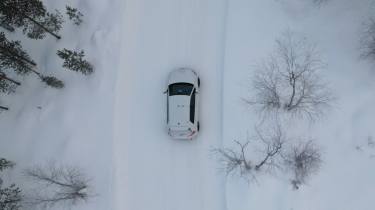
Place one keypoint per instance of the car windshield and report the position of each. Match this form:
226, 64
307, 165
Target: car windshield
180, 89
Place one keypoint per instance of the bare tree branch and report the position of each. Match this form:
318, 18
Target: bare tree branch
288, 80
235, 161
61, 185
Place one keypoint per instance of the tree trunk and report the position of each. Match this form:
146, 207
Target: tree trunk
44, 28
293, 84
3, 76
40, 25
17, 56
6, 26
20, 58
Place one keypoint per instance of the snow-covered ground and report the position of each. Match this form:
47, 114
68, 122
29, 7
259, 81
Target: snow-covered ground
72, 126
112, 123
345, 180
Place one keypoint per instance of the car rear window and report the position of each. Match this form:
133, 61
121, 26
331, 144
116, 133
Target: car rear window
180, 89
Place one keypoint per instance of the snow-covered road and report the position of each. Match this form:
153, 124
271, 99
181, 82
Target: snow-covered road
153, 171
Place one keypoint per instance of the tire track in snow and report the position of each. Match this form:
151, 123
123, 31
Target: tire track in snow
153, 171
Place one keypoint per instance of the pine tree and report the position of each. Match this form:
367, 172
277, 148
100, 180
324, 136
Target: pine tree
31, 16
49, 80
13, 57
74, 61
10, 197
51, 22
7, 85
52, 82
6, 26
74, 15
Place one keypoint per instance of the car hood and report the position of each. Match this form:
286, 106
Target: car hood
182, 75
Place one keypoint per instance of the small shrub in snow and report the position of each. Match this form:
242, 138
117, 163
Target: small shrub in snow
74, 15
75, 61
303, 160
236, 161
289, 80
273, 155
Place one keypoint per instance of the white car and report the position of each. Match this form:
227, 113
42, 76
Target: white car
182, 104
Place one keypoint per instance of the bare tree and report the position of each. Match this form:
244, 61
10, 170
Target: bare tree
367, 41
289, 80
237, 161
303, 160
57, 186
272, 153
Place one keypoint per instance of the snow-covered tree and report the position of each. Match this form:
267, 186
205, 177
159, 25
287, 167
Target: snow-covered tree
51, 23
74, 15
7, 85
31, 16
13, 57
10, 196
74, 60
5, 164
52, 81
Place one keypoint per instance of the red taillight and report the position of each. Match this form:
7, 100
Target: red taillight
192, 133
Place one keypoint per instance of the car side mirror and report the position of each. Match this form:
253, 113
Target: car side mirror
165, 92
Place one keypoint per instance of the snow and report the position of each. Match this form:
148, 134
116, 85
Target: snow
152, 170
112, 123
72, 126
346, 177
